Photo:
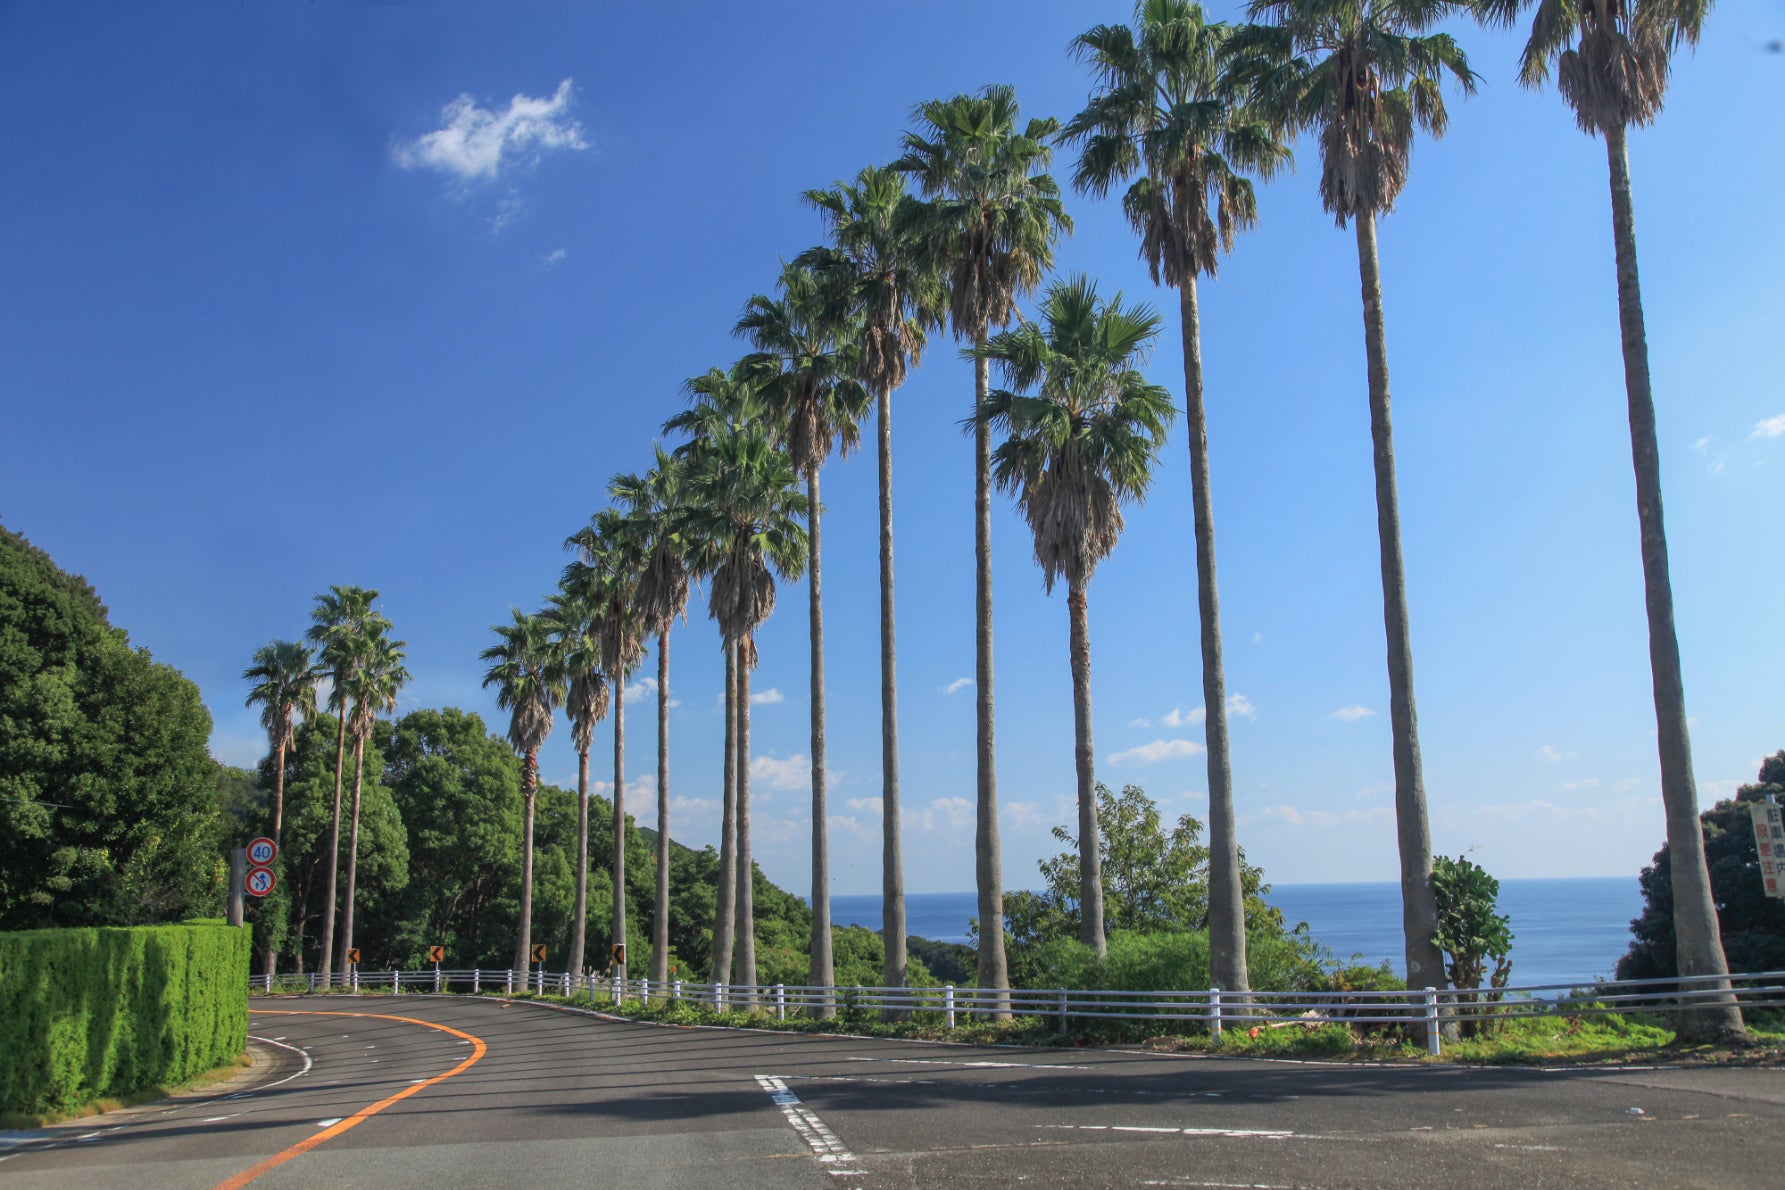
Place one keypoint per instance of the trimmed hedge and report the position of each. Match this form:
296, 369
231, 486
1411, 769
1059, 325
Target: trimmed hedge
95, 1012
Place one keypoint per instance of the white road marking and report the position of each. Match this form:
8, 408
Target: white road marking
1235, 1133
824, 1143
975, 1065
328, 1123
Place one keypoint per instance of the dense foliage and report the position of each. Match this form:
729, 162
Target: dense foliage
86, 1013
1471, 930
106, 808
1751, 923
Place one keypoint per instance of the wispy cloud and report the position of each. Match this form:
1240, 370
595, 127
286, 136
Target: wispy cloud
865, 805
795, 772
1352, 714
1140, 723
948, 815
646, 688
476, 144
1177, 718
1771, 427
1240, 705
1553, 754
1703, 445
767, 698
1156, 751
1326, 819
956, 686
1380, 789
554, 257
1583, 783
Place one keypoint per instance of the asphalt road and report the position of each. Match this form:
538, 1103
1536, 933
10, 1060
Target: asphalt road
478, 1093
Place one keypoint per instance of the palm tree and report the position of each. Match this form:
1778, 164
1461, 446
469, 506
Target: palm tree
285, 687
1362, 75
874, 254
609, 559
989, 226
653, 501
577, 655
807, 357
1160, 111
1085, 428
744, 510
529, 686
1612, 59
377, 674
335, 622
720, 400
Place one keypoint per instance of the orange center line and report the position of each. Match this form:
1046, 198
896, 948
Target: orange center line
478, 1049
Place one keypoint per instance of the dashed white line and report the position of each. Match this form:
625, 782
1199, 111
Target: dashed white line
824, 1143
975, 1065
330, 1123
1235, 1133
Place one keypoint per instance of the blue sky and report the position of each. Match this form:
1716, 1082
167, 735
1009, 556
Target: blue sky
305, 294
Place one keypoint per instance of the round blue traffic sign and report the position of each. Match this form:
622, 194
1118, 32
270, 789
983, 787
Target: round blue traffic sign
262, 851
260, 881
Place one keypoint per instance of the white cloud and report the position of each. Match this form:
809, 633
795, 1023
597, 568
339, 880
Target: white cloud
1627, 784
1583, 783
555, 256
1326, 819
1177, 718
1553, 754
1703, 445
475, 143
1380, 789
1772, 427
949, 815
865, 805
767, 698
1140, 723
1156, 751
795, 772
646, 688
1026, 814
957, 685
1239, 704
1352, 714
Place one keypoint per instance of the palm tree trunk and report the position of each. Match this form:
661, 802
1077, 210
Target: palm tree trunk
1419, 903
1227, 902
272, 952
744, 956
523, 946
619, 923
1090, 858
994, 968
892, 869
725, 900
819, 971
579, 922
334, 852
660, 913
359, 762
1698, 941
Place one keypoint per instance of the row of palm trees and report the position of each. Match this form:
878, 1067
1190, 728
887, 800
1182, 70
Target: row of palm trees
363, 667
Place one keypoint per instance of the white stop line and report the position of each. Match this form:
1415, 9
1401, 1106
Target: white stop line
838, 1161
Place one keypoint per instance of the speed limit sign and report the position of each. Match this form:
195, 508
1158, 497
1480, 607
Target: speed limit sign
260, 881
262, 851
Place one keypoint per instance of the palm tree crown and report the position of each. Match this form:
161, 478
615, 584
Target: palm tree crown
652, 501
285, 687
742, 519
1085, 427
529, 685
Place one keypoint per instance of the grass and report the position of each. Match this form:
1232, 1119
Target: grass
112, 1103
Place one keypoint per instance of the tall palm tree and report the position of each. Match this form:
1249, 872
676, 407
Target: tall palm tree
285, 687
576, 649
874, 255
1085, 429
609, 559
720, 399
989, 226
530, 687
376, 676
1612, 59
336, 621
653, 501
1160, 114
1362, 76
744, 508
807, 357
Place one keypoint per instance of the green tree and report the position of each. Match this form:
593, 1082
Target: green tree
1612, 59
1163, 115
336, 622
374, 679
1085, 430
530, 687
1750, 924
1471, 930
107, 809
1362, 76
989, 226
808, 354
876, 255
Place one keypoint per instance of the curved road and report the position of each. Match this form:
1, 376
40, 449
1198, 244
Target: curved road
385, 1091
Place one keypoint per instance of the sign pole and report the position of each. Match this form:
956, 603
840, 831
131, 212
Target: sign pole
238, 874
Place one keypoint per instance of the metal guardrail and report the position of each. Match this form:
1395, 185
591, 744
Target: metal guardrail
1214, 1009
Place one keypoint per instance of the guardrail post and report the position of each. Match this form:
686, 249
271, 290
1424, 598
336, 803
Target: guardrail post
356, 981
948, 1003
1214, 1014
436, 979
396, 982
312, 981
476, 980
781, 1001
508, 987
677, 987
1062, 1010
1434, 1038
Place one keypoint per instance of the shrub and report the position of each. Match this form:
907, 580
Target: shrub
94, 1012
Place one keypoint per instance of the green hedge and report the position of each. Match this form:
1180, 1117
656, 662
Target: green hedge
97, 1012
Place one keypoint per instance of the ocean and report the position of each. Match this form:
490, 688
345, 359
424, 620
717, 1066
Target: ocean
1566, 930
